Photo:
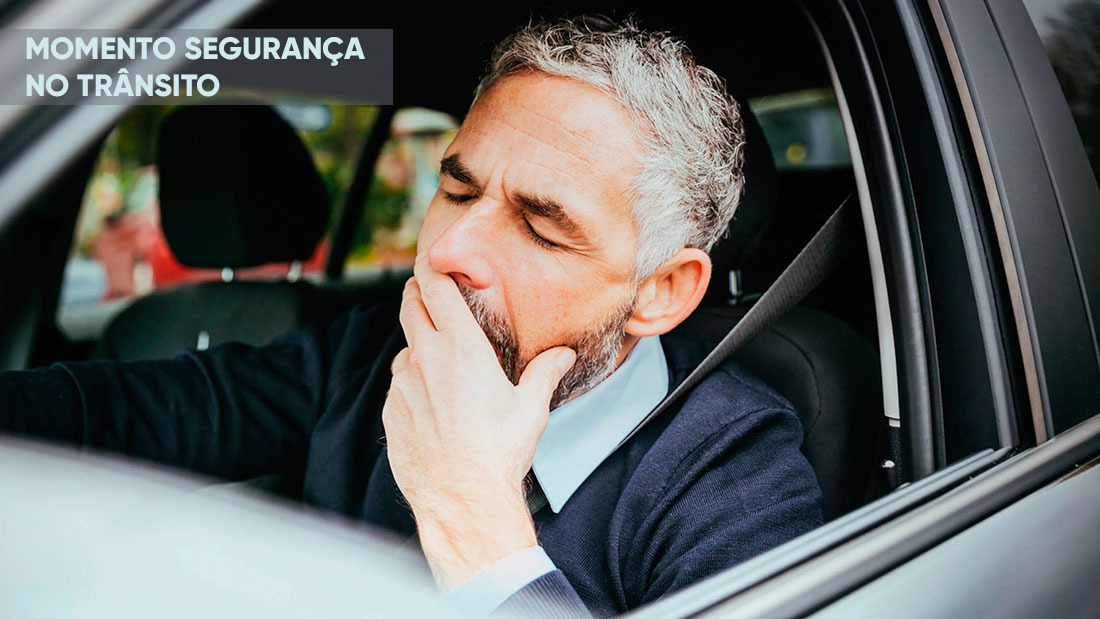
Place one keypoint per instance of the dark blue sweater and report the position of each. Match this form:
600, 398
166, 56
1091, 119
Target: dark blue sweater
700, 489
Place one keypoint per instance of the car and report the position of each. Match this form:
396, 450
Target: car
947, 371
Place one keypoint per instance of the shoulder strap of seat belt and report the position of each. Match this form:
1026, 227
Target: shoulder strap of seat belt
809, 267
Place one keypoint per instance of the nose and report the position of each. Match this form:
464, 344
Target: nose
461, 250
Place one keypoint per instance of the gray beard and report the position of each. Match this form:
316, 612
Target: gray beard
597, 349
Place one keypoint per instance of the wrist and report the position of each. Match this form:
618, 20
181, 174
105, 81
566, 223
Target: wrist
461, 535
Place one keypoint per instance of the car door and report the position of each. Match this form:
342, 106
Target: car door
1036, 171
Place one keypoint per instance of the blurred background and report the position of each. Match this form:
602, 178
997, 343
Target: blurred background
119, 251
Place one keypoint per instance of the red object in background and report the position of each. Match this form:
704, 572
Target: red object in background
167, 271
136, 236
123, 242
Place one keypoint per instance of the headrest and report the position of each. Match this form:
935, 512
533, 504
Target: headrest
237, 188
753, 214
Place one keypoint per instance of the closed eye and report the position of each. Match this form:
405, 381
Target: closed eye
458, 198
454, 198
538, 238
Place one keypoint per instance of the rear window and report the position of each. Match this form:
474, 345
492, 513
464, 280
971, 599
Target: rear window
119, 251
803, 129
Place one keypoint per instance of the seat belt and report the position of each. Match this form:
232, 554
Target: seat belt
805, 272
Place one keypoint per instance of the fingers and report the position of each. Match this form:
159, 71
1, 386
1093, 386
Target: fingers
544, 372
442, 298
414, 317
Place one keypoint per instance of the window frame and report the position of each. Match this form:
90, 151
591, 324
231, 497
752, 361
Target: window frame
906, 337
991, 53
978, 399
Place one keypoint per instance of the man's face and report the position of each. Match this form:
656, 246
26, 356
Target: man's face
533, 221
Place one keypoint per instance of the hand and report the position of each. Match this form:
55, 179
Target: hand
460, 436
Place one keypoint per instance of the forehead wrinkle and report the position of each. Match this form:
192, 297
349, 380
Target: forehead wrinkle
532, 136
588, 163
610, 102
570, 174
583, 135
558, 125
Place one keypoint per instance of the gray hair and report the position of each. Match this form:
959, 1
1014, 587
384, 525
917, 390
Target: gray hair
691, 132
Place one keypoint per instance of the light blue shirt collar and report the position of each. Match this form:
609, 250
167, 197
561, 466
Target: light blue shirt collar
585, 430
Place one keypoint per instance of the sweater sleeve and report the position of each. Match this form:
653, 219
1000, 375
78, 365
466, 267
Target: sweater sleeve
232, 411
741, 491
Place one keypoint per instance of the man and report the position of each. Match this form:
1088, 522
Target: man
597, 165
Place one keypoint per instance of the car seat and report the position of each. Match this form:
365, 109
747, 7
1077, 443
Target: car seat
824, 367
237, 189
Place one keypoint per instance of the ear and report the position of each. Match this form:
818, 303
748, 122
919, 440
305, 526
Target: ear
671, 293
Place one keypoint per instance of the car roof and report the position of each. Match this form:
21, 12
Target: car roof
764, 48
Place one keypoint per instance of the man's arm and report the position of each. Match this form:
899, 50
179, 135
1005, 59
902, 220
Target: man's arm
232, 411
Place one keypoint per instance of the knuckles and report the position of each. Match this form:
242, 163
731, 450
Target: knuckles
400, 360
406, 359
436, 288
415, 359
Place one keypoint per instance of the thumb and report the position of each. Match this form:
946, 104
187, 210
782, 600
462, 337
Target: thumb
542, 374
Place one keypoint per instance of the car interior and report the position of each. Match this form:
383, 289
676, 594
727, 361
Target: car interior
238, 188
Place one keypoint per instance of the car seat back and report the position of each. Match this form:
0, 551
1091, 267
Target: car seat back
829, 373
237, 189
827, 370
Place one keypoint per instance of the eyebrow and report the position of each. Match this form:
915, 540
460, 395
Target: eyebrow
547, 208
452, 167
539, 206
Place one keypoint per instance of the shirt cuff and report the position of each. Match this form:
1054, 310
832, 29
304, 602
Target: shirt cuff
489, 588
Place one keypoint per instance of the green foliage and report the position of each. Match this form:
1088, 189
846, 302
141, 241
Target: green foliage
384, 209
